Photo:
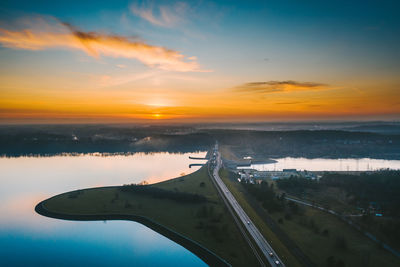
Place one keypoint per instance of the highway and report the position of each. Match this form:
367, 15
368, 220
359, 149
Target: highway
258, 238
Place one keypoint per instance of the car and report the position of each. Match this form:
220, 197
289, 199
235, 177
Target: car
271, 254
248, 222
277, 262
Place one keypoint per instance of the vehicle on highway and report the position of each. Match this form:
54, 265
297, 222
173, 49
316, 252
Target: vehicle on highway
271, 254
243, 219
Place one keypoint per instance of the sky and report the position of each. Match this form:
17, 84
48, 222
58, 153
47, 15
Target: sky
198, 61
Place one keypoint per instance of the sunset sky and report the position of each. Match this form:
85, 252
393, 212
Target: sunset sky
198, 61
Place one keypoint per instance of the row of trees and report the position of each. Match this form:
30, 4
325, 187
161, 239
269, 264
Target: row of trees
163, 194
274, 202
297, 184
266, 195
376, 190
380, 187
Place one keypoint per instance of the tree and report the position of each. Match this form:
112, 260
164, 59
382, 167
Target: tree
341, 243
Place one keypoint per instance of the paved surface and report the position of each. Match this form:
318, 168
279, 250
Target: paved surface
312, 205
258, 238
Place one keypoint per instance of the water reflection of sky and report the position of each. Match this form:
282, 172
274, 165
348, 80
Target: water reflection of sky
363, 164
30, 239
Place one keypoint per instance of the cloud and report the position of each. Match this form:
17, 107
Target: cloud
279, 86
95, 44
114, 80
163, 16
290, 103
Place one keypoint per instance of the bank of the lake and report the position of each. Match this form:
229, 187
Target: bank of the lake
206, 255
204, 228
29, 239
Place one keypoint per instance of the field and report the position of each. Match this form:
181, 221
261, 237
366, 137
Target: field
325, 238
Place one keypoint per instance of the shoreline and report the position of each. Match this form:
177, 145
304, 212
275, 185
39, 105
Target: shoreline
203, 253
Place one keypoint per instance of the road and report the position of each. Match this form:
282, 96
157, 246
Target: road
312, 205
258, 238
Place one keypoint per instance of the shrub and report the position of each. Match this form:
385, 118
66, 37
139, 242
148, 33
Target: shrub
325, 232
341, 243
128, 205
288, 216
330, 261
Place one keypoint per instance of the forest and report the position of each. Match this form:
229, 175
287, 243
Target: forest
57, 139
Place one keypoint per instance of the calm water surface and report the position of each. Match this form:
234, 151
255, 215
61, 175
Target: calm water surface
362, 164
28, 239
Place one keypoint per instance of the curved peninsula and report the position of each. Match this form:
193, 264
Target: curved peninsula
186, 210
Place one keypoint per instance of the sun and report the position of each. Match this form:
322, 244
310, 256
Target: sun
157, 116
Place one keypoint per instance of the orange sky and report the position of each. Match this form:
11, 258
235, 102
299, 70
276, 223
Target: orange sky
55, 72
158, 103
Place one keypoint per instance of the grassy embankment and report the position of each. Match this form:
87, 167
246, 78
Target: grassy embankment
324, 238
208, 223
228, 153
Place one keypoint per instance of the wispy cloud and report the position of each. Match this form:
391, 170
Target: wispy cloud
290, 103
278, 86
95, 44
114, 80
163, 15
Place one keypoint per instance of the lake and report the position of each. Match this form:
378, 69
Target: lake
29, 239
319, 164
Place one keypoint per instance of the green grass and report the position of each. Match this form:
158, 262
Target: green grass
360, 250
207, 223
341, 202
328, 197
276, 244
228, 153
